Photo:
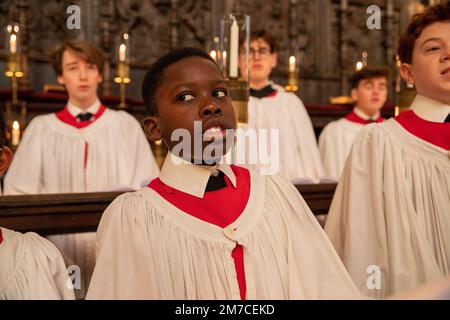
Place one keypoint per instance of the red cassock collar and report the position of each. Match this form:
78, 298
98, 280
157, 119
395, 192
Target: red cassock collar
353, 117
436, 133
65, 116
221, 207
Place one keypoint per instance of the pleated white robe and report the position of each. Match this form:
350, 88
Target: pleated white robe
391, 210
31, 268
55, 157
149, 249
298, 150
335, 143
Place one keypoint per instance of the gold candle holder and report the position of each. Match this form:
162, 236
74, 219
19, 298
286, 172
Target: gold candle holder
122, 78
15, 109
292, 85
123, 68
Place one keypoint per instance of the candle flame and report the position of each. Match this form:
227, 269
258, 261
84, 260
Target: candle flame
213, 54
359, 66
291, 63
16, 125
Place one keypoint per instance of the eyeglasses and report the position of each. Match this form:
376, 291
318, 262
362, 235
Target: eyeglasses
262, 52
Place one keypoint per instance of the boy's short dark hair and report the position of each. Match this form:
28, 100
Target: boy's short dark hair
154, 78
2, 131
440, 12
266, 36
82, 49
369, 73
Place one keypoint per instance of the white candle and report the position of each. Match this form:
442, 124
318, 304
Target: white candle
291, 64
224, 59
213, 55
15, 134
234, 49
13, 43
122, 52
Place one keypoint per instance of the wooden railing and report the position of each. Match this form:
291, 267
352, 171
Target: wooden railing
81, 212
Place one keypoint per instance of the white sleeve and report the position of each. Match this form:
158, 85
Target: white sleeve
36, 269
24, 176
315, 270
123, 268
370, 224
328, 153
306, 134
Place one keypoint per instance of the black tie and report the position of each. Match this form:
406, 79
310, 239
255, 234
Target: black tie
216, 183
447, 119
82, 117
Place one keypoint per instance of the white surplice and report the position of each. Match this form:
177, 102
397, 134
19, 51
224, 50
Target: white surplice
149, 249
335, 143
298, 150
391, 209
55, 157
31, 268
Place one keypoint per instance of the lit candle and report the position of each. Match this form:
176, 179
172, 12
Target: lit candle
15, 134
13, 44
122, 52
234, 49
397, 111
158, 143
224, 58
359, 66
291, 64
213, 55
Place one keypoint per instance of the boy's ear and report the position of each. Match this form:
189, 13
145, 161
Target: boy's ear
5, 159
354, 95
60, 80
151, 128
274, 60
407, 74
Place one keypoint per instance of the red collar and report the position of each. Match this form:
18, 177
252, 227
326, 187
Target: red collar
65, 116
353, 117
220, 207
1, 236
433, 132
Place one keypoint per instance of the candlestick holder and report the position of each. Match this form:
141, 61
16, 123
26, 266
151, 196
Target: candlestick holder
122, 78
15, 109
233, 60
292, 84
123, 67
